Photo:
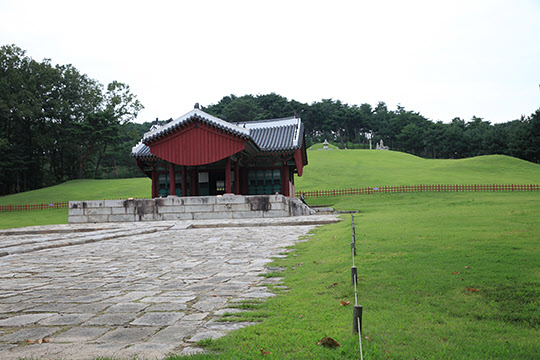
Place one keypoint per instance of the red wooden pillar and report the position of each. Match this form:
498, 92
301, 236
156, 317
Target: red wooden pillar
155, 192
172, 180
285, 180
184, 190
236, 179
228, 187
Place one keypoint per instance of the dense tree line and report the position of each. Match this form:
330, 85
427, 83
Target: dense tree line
57, 124
352, 126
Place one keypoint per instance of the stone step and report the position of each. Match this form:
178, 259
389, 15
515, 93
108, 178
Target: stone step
323, 210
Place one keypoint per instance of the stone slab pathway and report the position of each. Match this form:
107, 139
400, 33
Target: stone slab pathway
123, 290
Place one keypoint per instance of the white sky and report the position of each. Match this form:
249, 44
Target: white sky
444, 59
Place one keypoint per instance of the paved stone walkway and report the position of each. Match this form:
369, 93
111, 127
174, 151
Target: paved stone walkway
124, 290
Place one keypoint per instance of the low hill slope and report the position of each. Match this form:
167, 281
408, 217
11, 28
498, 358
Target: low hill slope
83, 190
343, 169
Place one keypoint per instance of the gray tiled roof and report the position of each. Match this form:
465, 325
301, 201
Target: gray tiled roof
276, 134
142, 151
284, 134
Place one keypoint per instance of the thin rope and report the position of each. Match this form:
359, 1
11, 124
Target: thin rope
356, 293
360, 339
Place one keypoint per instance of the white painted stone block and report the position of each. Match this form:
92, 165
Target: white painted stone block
77, 219
75, 204
241, 207
277, 206
223, 208
140, 202
122, 218
148, 217
170, 201
232, 207
276, 198
200, 200
76, 211
275, 213
199, 208
114, 203
97, 211
171, 209
247, 214
231, 199
177, 216
93, 204
213, 215
98, 218
123, 210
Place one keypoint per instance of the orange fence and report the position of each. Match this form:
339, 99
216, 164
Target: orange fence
418, 188
56, 205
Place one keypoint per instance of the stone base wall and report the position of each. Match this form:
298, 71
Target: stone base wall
186, 208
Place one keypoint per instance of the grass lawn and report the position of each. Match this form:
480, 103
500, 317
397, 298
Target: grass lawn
84, 190
345, 169
14, 219
69, 191
418, 254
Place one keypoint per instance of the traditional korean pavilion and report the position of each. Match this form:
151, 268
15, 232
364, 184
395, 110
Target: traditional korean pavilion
206, 155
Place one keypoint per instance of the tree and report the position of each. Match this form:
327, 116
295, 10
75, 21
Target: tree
453, 144
241, 109
120, 107
53, 119
412, 139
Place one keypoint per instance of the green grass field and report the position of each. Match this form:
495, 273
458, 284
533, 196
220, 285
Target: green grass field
84, 190
69, 191
345, 169
418, 254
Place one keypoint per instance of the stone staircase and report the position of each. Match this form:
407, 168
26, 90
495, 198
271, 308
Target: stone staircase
323, 210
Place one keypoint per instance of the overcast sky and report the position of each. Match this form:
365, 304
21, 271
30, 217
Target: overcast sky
443, 59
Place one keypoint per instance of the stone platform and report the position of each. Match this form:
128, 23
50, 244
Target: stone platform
124, 290
186, 208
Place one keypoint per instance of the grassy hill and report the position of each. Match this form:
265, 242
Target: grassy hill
68, 191
343, 169
84, 190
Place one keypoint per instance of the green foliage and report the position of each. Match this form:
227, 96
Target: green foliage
56, 124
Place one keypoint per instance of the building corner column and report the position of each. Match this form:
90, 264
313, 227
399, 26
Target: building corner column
285, 186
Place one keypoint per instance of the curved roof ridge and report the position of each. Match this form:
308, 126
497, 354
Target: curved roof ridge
267, 123
195, 114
